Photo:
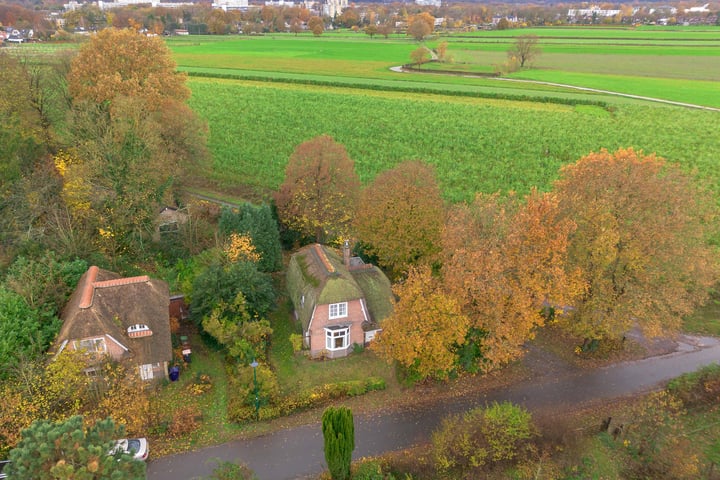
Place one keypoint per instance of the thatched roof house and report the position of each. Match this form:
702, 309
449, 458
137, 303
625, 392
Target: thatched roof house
339, 301
126, 319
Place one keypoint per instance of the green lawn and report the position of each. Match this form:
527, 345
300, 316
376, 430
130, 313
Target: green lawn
297, 373
705, 320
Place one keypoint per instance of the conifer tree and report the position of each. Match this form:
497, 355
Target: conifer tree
339, 436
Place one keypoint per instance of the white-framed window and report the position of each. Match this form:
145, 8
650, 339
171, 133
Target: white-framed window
337, 338
338, 310
91, 345
146, 371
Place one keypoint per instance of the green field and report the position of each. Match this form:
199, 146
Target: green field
281, 90
680, 65
482, 134
476, 144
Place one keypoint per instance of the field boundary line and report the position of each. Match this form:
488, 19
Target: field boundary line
401, 69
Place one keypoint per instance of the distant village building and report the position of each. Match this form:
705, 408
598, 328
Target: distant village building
510, 18
332, 8
153, 3
592, 12
429, 3
227, 5
663, 10
702, 9
279, 3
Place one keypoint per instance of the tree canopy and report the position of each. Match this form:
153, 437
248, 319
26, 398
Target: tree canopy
69, 450
319, 195
124, 62
256, 221
503, 260
425, 327
401, 218
641, 243
134, 138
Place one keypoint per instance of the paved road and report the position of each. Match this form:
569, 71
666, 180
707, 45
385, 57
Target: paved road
297, 452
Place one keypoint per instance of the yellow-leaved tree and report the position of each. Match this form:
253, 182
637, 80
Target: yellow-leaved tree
401, 219
425, 327
135, 137
124, 63
642, 243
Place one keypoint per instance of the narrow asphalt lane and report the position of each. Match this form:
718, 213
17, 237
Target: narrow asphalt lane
297, 452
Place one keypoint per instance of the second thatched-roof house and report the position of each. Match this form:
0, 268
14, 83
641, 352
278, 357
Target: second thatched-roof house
340, 302
126, 319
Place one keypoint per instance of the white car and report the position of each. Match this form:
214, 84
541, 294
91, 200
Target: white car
137, 447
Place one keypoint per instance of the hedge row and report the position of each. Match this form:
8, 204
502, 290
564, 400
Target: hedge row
701, 387
309, 398
422, 90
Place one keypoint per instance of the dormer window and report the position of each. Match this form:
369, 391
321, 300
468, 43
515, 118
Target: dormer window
139, 330
91, 345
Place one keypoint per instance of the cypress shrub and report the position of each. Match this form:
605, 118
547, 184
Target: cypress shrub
339, 437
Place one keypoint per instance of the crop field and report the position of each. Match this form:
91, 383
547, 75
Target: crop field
475, 144
268, 94
262, 96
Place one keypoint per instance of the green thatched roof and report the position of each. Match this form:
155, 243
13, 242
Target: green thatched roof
378, 292
317, 276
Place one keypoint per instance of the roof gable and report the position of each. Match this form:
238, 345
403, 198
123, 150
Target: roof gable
317, 275
106, 304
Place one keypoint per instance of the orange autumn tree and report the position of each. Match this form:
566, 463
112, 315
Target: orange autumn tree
401, 218
504, 260
126, 63
424, 328
319, 195
641, 243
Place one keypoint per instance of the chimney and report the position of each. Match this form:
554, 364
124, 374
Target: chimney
346, 254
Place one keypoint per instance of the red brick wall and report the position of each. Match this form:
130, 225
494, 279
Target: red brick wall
321, 320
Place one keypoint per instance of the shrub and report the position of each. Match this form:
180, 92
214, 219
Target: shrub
656, 441
464, 444
375, 383
239, 411
701, 387
184, 421
231, 471
339, 440
296, 340
371, 470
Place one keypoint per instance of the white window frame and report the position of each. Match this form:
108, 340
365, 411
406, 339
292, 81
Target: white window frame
332, 334
337, 310
146, 371
90, 345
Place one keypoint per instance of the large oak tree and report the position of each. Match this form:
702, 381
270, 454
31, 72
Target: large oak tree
401, 217
134, 136
503, 260
126, 63
319, 195
641, 243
